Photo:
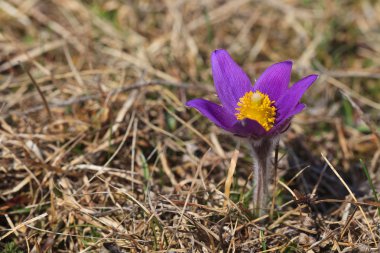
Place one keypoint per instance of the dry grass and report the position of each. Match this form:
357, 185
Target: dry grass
99, 154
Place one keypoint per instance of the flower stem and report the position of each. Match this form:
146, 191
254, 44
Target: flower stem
262, 171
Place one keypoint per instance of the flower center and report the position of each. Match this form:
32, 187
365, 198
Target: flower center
257, 106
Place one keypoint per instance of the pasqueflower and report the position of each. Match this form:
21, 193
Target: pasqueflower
258, 113
263, 109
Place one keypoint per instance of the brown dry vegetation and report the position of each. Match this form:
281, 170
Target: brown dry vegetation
99, 153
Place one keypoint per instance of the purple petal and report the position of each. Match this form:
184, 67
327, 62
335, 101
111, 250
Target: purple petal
247, 128
213, 112
220, 117
283, 123
275, 80
231, 83
292, 97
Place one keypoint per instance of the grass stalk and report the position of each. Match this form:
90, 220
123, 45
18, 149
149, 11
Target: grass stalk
370, 184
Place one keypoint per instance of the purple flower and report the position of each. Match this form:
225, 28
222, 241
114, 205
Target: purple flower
264, 109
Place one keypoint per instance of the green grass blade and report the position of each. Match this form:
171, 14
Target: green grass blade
370, 183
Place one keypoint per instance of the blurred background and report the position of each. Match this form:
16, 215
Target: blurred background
98, 151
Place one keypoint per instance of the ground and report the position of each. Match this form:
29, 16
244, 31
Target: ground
100, 154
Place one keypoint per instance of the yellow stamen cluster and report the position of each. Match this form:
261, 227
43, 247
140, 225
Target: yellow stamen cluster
257, 106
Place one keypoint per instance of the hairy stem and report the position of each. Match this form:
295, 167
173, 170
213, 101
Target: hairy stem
262, 172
